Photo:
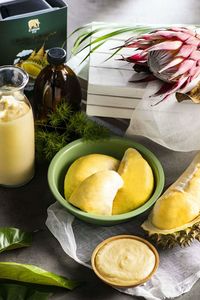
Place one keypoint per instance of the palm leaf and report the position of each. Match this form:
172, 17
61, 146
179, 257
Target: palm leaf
113, 54
88, 27
92, 50
82, 38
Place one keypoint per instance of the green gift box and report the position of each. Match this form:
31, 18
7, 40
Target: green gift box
28, 28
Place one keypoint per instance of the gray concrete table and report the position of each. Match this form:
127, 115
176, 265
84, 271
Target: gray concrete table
26, 207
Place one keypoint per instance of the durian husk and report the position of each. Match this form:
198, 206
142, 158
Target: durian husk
34, 63
186, 233
32, 67
182, 236
193, 95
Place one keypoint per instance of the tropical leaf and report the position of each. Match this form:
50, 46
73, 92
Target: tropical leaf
19, 292
83, 37
88, 26
12, 238
104, 37
33, 274
92, 50
113, 54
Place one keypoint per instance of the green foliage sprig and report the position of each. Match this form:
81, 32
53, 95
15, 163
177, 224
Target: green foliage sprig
62, 127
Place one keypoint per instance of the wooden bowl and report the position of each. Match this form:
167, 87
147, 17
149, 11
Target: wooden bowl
150, 246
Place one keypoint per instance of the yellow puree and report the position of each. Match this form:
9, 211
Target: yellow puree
125, 261
16, 140
11, 109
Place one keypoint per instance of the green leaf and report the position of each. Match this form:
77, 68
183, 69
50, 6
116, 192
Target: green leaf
19, 292
84, 39
106, 37
12, 238
92, 50
33, 274
113, 54
88, 26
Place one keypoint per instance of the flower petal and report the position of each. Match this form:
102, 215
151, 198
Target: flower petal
184, 67
195, 55
137, 44
167, 34
193, 41
196, 73
176, 86
186, 50
193, 70
137, 57
152, 36
183, 29
172, 63
168, 45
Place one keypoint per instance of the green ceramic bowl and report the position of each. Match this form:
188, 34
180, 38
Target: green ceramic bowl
115, 146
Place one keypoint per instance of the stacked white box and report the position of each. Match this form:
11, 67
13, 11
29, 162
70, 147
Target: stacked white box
110, 90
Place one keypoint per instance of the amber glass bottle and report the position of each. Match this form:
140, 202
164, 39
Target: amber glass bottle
56, 83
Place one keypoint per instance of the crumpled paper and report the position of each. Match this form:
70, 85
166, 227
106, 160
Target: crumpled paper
178, 271
171, 124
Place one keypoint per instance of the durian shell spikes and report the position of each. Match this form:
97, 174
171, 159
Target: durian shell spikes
182, 236
34, 63
175, 218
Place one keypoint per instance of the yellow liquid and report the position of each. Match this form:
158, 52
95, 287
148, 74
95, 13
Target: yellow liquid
17, 150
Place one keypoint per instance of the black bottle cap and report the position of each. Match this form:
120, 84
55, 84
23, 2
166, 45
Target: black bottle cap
56, 56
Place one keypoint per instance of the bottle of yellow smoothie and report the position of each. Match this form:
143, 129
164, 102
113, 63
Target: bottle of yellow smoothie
17, 149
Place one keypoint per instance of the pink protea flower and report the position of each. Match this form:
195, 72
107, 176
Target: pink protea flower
172, 55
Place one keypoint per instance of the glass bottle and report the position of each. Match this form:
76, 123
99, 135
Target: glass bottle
56, 83
17, 147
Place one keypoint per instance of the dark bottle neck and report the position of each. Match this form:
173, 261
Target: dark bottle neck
57, 67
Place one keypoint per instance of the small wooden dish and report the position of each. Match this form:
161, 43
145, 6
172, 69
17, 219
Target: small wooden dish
96, 250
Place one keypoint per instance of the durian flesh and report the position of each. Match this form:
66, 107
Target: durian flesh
34, 63
175, 218
138, 182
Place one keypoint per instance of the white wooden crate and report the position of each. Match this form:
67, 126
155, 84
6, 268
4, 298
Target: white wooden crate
110, 90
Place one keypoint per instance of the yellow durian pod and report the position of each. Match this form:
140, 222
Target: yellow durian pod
96, 193
138, 182
176, 215
85, 166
